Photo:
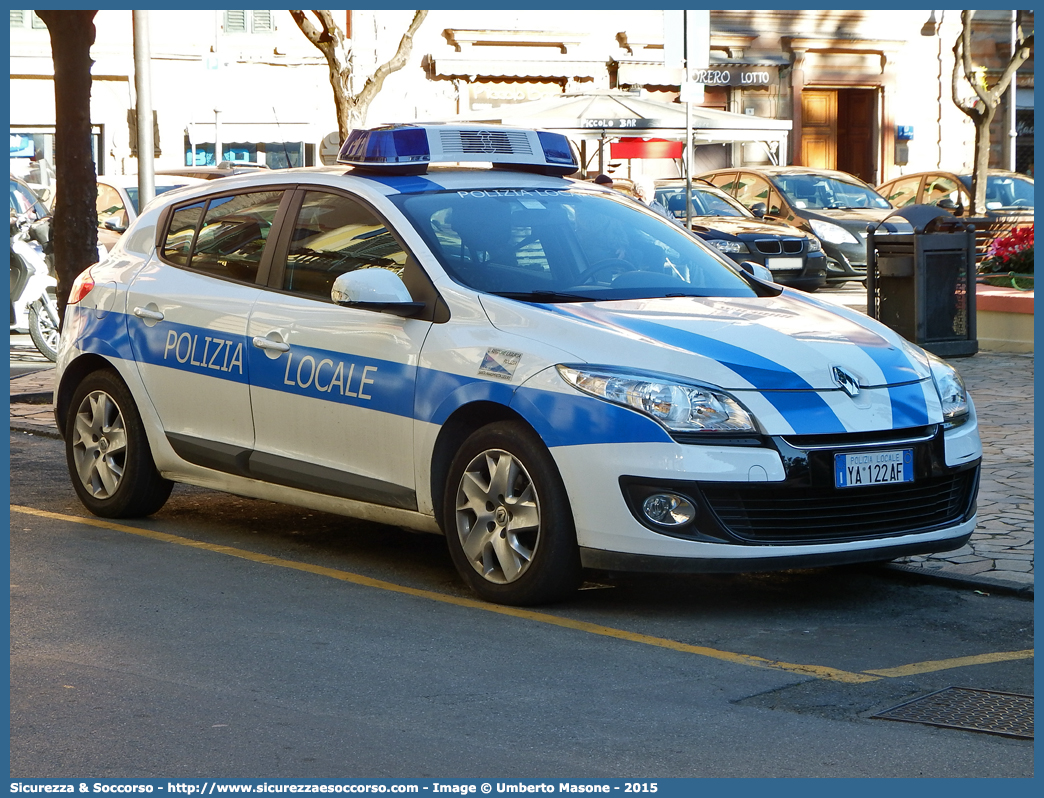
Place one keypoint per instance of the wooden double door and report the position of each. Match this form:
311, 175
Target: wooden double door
837, 130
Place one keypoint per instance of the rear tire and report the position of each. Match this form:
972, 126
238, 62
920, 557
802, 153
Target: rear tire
108, 452
509, 526
43, 332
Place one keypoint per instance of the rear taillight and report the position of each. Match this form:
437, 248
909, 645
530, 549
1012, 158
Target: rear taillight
81, 286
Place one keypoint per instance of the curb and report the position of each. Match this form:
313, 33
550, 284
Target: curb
992, 583
42, 398
35, 429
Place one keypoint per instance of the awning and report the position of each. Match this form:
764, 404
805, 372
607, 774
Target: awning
645, 148
606, 115
599, 115
259, 132
648, 73
450, 67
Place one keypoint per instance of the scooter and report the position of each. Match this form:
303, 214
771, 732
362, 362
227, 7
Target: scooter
34, 303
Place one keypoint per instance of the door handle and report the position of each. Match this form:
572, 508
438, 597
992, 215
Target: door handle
148, 315
269, 345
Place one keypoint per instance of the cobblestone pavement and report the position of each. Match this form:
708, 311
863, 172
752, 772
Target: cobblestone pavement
999, 556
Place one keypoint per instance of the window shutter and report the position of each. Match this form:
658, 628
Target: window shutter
235, 21
262, 22
17, 19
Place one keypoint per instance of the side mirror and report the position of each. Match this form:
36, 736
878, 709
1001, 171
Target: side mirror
758, 209
113, 224
757, 270
375, 289
946, 204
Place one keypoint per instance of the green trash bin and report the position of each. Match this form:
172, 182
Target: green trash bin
922, 283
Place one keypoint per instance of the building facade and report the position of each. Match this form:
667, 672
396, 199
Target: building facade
867, 92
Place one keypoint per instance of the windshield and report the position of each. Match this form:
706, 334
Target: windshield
706, 201
132, 194
819, 192
1005, 191
549, 245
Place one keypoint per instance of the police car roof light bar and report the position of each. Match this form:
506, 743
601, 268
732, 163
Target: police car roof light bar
409, 149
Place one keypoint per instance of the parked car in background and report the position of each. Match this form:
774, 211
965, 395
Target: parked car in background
25, 201
1009, 199
834, 206
223, 169
794, 257
118, 202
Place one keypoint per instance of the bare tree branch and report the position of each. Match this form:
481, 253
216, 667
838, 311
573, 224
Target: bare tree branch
375, 83
969, 69
333, 44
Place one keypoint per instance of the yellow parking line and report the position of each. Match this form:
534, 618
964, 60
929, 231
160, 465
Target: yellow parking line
814, 671
956, 662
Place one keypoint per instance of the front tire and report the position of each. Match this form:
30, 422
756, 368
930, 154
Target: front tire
108, 452
508, 523
43, 331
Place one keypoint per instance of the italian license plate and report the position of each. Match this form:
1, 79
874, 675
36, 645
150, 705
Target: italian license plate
873, 468
783, 264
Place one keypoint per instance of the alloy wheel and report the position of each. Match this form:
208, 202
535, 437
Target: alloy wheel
99, 445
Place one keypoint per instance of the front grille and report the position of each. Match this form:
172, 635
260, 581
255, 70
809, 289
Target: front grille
759, 513
479, 142
780, 246
892, 437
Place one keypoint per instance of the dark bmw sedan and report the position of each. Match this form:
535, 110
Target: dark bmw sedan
794, 257
834, 206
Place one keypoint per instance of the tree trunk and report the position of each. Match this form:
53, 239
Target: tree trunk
982, 160
75, 224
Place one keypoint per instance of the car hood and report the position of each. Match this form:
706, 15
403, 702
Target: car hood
737, 226
783, 343
849, 217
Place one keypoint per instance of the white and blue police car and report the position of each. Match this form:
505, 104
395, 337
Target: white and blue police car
544, 371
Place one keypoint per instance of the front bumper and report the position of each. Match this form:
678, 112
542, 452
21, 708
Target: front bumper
771, 505
845, 262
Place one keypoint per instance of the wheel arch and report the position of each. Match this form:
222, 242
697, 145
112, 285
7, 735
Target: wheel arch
461, 423
72, 376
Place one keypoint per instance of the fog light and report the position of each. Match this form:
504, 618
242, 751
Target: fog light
668, 509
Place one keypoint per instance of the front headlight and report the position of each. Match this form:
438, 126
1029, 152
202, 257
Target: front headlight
832, 232
675, 405
951, 388
728, 247
814, 245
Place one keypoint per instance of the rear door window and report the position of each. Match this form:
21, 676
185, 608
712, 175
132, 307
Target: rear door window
224, 236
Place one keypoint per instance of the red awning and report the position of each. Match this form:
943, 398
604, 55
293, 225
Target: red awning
644, 148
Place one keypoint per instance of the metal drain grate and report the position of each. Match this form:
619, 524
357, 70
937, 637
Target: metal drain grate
965, 708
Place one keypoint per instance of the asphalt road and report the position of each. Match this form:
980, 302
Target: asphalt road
227, 637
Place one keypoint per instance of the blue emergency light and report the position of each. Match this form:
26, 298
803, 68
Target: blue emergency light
409, 149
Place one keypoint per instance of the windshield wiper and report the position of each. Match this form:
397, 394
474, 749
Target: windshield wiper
543, 296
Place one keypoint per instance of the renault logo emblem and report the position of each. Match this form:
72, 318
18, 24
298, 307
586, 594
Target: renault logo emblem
846, 381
